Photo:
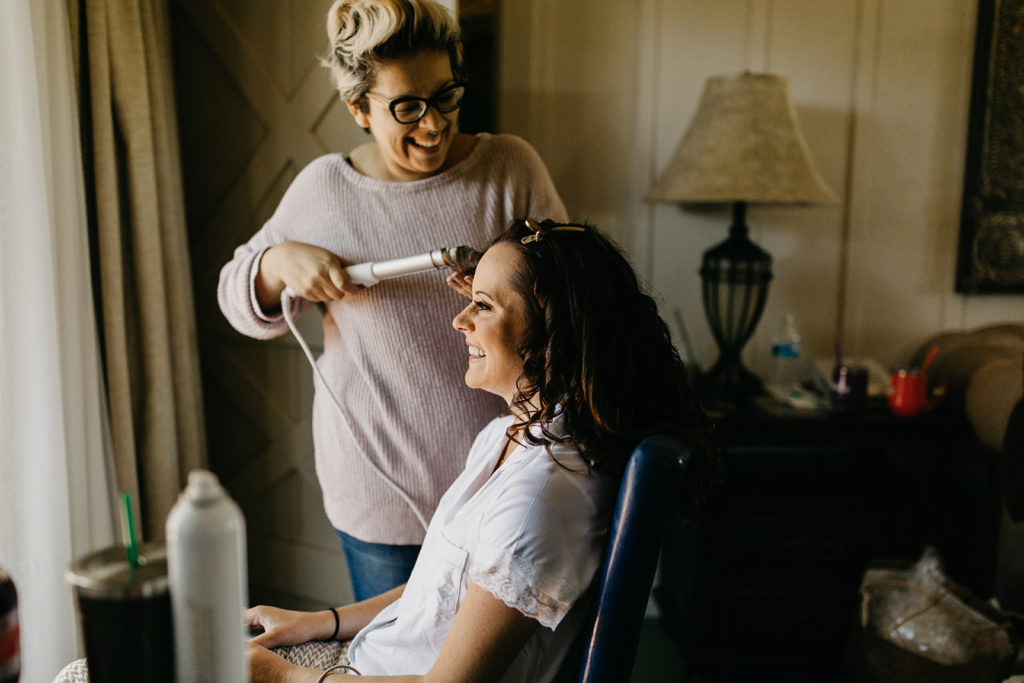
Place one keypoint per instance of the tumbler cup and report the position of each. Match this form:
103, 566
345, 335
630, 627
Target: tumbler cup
849, 388
124, 614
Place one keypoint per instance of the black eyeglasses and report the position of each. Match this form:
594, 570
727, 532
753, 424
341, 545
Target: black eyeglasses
411, 109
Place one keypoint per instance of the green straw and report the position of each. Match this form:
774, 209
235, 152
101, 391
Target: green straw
131, 546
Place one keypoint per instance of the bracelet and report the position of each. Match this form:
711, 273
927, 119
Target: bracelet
335, 669
337, 623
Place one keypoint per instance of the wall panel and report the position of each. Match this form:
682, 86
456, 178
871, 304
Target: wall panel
881, 91
812, 44
697, 40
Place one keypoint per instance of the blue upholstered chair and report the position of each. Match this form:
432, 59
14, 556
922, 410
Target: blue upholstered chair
608, 643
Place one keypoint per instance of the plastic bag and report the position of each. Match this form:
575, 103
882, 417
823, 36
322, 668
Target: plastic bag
924, 613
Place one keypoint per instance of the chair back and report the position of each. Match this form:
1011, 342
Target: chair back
610, 637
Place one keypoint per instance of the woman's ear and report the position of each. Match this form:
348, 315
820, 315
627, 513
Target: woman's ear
359, 113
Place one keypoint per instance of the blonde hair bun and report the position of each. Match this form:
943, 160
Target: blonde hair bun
365, 33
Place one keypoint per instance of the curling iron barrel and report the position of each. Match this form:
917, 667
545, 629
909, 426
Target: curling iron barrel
370, 273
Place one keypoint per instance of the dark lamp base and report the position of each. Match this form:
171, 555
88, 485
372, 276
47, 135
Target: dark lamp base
734, 282
728, 384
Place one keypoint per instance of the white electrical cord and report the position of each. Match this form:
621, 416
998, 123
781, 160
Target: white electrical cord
286, 299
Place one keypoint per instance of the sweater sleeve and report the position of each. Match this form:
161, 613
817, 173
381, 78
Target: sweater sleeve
236, 294
236, 289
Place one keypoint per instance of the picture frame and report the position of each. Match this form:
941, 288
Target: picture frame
990, 256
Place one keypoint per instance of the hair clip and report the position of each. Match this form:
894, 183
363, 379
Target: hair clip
536, 234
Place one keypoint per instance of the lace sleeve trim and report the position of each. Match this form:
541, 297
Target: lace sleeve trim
514, 581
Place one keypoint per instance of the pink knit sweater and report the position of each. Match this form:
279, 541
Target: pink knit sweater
394, 360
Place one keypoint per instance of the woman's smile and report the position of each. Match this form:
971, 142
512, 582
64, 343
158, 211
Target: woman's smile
431, 143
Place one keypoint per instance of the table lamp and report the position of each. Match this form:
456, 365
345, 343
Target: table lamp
743, 145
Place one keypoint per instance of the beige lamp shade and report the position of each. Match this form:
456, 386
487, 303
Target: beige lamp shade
743, 145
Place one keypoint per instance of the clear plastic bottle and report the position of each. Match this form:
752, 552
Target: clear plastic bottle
206, 570
10, 657
787, 368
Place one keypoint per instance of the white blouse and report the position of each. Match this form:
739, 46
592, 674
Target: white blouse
531, 533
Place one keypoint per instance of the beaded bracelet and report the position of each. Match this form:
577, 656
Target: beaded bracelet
335, 669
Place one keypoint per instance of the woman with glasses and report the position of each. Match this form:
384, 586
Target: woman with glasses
417, 185
560, 329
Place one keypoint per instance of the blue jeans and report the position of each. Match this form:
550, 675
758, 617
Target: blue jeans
376, 567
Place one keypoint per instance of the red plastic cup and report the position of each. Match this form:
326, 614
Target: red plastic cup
908, 395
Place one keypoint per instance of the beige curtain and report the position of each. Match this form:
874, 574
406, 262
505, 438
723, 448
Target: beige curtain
140, 252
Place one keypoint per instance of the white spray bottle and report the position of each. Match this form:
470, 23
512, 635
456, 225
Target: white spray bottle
206, 568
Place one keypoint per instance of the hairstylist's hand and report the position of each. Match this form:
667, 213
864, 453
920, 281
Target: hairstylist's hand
312, 272
461, 283
288, 627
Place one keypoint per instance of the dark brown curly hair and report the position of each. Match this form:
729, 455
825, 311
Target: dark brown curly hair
597, 350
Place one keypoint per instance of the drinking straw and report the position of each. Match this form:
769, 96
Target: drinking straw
131, 546
929, 358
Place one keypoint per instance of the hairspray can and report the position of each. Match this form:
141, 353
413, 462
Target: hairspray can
206, 568
10, 657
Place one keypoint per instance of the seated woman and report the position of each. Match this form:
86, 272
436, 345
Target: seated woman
559, 328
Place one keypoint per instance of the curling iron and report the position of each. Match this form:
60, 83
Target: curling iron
369, 274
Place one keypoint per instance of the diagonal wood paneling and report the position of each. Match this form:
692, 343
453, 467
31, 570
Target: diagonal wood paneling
254, 108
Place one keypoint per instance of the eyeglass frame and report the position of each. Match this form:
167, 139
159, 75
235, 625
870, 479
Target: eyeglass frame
428, 102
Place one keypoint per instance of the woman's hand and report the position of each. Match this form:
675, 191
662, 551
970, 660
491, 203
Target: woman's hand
266, 666
461, 283
288, 627
312, 272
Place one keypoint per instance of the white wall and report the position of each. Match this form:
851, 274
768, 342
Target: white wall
605, 89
